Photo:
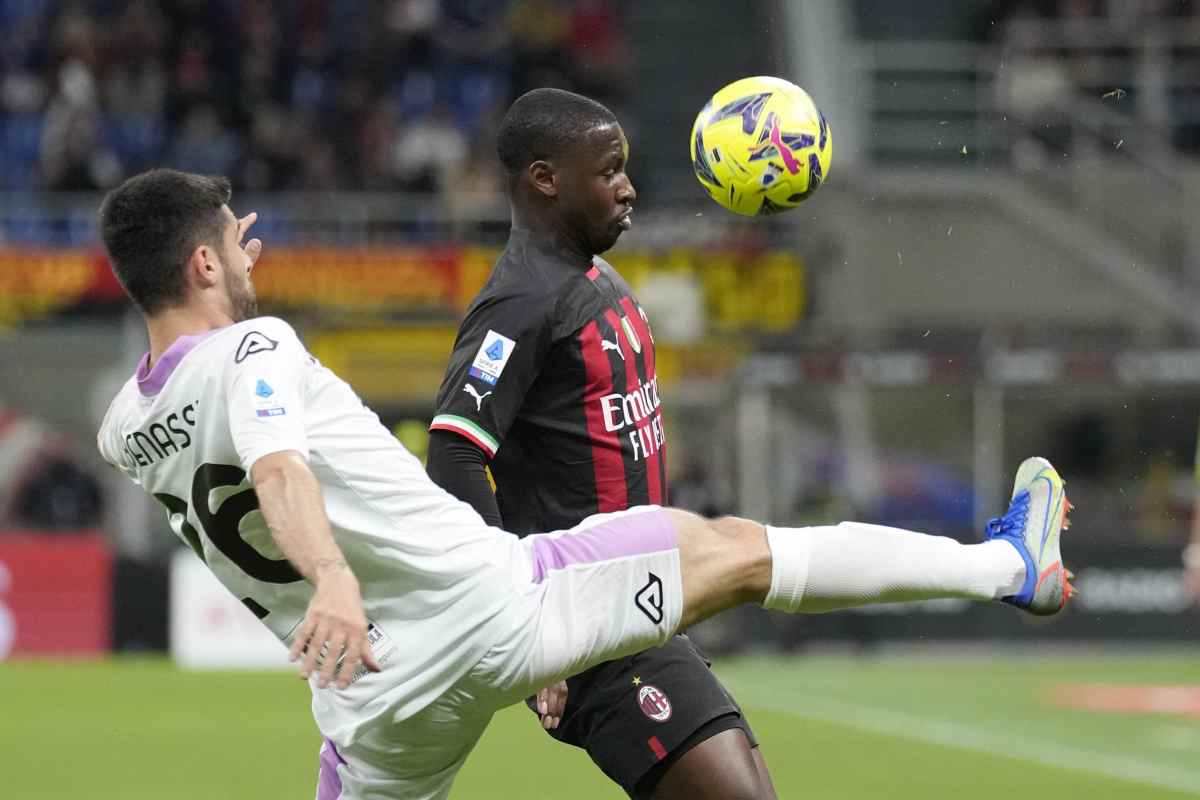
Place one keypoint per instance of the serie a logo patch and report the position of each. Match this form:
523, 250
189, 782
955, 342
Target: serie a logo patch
492, 357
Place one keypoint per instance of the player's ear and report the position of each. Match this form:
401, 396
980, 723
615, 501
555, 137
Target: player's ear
544, 178
202, 267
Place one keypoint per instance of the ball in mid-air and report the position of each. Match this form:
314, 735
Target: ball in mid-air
760, 146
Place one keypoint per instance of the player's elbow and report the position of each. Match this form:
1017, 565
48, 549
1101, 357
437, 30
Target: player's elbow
279, 469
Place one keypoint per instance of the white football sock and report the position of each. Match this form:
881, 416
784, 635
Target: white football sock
852, 564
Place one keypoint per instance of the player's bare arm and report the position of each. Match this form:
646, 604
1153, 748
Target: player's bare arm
290, 498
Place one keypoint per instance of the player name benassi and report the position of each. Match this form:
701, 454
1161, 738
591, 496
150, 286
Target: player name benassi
161, 438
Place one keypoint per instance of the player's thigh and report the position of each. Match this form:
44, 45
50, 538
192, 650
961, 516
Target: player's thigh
606, 588
764, 775
415, 759
722, 767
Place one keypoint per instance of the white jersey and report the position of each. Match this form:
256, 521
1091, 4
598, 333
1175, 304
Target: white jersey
431, 571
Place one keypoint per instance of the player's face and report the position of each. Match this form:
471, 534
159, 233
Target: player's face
597, 196
243, 302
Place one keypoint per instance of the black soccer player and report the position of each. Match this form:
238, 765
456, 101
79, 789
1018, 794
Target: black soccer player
552, 384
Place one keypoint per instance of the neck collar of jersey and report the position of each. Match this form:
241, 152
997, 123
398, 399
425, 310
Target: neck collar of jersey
547, 247
150, 381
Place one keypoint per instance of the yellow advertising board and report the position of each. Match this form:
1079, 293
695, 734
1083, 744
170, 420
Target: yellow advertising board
742, 291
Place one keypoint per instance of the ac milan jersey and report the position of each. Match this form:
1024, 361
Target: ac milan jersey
553, 376
431, 571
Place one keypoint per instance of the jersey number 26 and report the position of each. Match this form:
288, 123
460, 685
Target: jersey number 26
223, 525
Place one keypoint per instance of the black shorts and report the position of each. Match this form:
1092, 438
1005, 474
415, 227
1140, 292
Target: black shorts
633, 714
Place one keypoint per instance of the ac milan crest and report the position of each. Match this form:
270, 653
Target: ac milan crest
654, 703
631, 335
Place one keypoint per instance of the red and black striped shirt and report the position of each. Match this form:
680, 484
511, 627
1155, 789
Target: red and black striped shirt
553, 376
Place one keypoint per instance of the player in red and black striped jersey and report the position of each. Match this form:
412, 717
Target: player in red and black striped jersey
555, 360
552, 383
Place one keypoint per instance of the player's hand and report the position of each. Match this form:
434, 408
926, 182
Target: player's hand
252, 248
334, 630
550, 704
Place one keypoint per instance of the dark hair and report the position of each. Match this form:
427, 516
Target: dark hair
152, 223
545, 123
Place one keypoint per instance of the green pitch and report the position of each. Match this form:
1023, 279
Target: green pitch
896, 727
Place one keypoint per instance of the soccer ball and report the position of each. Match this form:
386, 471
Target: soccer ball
760, 146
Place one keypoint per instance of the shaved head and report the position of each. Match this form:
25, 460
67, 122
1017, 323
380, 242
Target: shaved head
546, 124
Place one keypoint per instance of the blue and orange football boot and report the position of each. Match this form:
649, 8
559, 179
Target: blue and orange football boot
1036, 517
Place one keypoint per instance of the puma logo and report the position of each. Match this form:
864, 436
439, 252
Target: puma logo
606, 345
469, 389
785, 152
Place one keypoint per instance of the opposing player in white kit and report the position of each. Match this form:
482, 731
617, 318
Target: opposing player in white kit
426, 619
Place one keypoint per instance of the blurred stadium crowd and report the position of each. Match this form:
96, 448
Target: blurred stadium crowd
313, 95
1141, 55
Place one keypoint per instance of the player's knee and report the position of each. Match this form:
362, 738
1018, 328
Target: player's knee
738, 541
736, 530
721, 532
727, 556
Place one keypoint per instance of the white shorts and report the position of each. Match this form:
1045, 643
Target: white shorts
611, 586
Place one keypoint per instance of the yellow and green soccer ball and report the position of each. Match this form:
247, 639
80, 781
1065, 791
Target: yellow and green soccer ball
760, 146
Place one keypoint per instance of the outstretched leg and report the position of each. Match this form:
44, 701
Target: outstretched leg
730, 561
623, 582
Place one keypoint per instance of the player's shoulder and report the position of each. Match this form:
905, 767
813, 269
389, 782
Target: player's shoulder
124, 400
274, 328
609, 270
520, 305
603, 265
253, 336
124, 405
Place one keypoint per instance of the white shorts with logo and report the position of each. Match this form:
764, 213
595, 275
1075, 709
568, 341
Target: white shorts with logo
608, 587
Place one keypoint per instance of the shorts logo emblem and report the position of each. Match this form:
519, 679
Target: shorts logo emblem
649, 599
654, 703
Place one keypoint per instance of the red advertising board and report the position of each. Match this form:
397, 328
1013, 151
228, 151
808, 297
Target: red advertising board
55, 594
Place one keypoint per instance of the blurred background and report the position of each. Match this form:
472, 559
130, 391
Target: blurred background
1003, 263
